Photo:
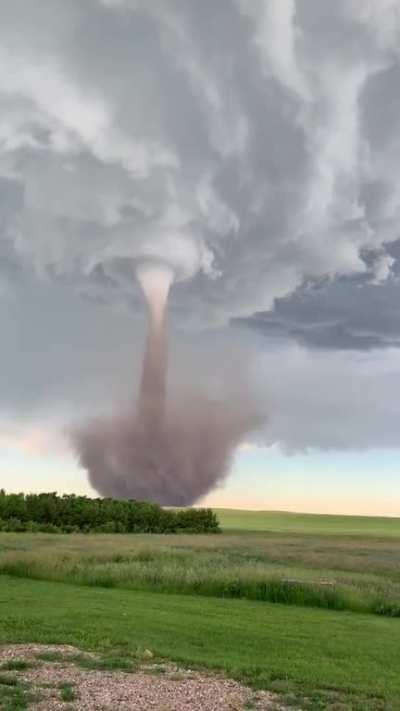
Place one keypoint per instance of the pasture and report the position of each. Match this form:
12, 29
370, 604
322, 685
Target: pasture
319, 524
304, 606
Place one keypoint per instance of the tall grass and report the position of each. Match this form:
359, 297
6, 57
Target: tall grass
227, 574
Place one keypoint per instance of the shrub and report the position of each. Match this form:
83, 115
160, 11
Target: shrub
50, 513
14, 525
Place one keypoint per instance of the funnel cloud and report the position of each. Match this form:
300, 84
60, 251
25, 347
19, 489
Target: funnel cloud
172, 451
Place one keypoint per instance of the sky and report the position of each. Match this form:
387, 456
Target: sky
254, 149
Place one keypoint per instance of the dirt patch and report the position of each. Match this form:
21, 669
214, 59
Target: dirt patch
58, 678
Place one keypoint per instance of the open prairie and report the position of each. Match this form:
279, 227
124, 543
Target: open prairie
291, 604
319, 524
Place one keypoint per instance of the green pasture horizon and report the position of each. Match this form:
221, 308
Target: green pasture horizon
291, 522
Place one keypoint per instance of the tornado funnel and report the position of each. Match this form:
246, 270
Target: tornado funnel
155, 282
172, 452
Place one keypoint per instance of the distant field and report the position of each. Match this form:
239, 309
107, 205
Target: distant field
281, 521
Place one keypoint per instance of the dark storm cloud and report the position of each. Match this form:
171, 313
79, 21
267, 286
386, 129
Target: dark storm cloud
348, 313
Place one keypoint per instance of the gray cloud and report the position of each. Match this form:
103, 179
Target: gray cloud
331, 400
345, 314
62, 353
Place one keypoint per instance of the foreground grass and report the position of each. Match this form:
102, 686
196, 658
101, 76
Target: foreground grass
317, 524
327, 657
15, 696
343, 573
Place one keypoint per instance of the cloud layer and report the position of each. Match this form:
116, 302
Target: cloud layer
253, 144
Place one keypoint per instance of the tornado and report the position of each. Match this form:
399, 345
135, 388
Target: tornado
168, 448
155, 282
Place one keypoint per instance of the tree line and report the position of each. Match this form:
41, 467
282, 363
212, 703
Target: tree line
50, 513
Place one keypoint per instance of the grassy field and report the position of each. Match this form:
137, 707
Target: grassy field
116, 593
317, 524
327, 656
353, 573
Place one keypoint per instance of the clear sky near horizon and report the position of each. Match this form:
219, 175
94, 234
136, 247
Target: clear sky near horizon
261, 479
249, 149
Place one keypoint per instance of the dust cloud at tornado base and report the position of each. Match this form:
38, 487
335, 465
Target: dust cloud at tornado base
172, 447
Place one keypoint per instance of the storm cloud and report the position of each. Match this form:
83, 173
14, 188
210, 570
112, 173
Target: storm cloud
253, 147
253, 144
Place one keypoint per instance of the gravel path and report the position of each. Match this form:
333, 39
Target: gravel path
163, 687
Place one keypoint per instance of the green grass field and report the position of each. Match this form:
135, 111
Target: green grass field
317, 524
118, 593
305, 652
